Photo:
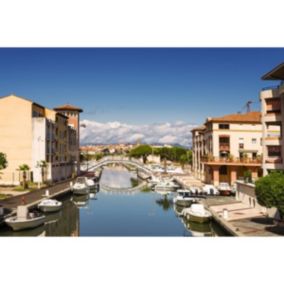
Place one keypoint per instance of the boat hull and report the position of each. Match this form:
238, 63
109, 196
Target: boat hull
183, 203
225, 192
81, 191
25, 224
196, 218
50, 209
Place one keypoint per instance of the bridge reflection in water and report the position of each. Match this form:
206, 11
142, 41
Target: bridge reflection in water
116, 212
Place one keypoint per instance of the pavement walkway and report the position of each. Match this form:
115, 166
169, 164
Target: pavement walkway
242, 220
33, 196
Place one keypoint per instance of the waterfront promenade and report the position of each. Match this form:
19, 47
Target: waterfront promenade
32, 198
242, 221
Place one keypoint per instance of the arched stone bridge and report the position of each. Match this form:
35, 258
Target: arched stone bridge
94, 165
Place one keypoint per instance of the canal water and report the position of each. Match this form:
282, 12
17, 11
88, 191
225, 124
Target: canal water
116, 211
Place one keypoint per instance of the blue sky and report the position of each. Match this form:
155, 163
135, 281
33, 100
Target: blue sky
139, 86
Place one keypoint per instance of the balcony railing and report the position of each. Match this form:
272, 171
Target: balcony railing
276, 160
224, 147
231, 160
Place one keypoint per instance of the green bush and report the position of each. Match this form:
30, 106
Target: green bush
270, 191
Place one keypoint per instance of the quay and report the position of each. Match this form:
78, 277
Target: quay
241, 220
34, 197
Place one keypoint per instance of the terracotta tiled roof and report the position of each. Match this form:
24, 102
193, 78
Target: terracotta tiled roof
68, 107
250, 117
199, 128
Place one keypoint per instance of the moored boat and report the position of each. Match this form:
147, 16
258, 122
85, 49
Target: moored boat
197, 213
81, 186
210, 189
50, 205
224, 189
91, 183
184, 198
25, 220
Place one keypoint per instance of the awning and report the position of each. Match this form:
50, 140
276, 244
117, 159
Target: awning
247, 151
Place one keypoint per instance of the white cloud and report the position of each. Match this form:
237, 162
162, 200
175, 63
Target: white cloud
117, 132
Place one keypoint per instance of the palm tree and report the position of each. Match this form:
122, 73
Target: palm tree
42, 165
24, 168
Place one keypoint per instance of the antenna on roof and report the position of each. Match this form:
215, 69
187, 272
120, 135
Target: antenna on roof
247, 106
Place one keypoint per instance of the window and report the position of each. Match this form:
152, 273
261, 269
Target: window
274, 151
224, 126
241, 146
223, 171
253, 140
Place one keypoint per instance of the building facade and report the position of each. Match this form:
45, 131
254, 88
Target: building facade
272, 109
227, 147
31, 134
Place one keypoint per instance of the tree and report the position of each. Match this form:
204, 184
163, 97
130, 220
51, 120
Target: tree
141, 151
183, 160
270, 191
3, 161
24, 168
42, 165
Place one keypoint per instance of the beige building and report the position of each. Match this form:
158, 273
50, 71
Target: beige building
272, 108
226, 147
31, 133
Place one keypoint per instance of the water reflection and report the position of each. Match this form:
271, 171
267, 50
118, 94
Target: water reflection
165, 203
117, 214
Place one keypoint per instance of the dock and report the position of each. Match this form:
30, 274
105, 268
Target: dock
241, 220
32, 198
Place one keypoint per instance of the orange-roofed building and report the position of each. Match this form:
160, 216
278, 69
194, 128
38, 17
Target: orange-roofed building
73, 115
228, 146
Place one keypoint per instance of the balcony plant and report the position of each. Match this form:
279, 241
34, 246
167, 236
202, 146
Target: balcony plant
231, 158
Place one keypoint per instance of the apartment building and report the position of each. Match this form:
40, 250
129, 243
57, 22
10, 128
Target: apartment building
31, 133
226, 147
198, 150
272, 108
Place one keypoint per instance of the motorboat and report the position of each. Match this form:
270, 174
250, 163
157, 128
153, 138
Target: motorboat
49, 205
210, 189
197, 213
184, 198
25, 219
4, 212
167, 185
195, 190
154, 181
224, 189
91, 183
81, 186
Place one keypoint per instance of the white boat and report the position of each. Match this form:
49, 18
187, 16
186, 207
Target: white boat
184, 198
195, 190
25, 220
166, 185
91, 183
210, 189
224, 189
154, 181
197, 213
50, 205
81, 186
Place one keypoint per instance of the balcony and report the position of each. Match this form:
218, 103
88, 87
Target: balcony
232, 161
224, 147
273, 160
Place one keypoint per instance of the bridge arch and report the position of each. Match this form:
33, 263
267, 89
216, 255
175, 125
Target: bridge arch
119, 160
